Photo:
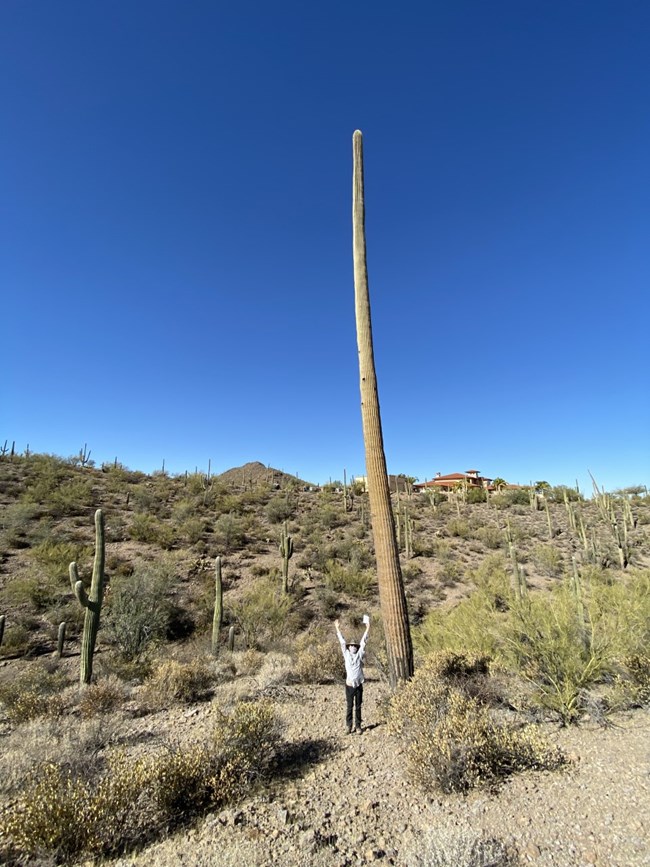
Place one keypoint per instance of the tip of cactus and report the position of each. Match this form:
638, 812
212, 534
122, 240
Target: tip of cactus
357, 134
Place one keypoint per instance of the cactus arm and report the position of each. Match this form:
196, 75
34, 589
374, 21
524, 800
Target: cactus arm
74, 576
80, 593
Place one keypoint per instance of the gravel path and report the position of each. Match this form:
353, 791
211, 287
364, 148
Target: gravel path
348, 802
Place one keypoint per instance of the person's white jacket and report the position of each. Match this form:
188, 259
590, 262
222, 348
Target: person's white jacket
353, 661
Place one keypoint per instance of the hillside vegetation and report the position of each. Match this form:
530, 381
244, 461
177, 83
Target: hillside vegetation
531, 607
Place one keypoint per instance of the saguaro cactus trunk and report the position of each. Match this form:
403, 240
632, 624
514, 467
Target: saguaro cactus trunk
91, 602
218, 607
392, 598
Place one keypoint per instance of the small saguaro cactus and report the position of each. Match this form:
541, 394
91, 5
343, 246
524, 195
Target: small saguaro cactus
218, 607
91, 602
231, 639
2, 628
286, 552
60, 642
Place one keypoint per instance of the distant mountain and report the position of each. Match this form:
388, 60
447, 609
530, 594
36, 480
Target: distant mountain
254, 473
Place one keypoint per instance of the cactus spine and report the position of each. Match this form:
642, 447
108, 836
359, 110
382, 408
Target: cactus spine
91, 602
218, 607
286, 552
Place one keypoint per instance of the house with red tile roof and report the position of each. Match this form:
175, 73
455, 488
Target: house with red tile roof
452, 481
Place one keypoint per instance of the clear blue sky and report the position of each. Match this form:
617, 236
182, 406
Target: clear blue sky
175, 233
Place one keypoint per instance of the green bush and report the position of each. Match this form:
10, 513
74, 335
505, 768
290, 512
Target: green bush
262, 612
14, 524
280, 508
348, 579
229, 532
453, 743
564, 643
55, 556
492, 537
458, 527
138, 612
548, 560
33, 590
147, 528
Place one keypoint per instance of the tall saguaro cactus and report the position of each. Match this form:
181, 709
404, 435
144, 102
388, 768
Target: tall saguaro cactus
92, 602
392, 598
218, 607
286, 552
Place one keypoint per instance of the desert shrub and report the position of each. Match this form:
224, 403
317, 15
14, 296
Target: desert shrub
229, 531
14, 521
138, 614
491, 578
191, 530
411, 571
565, 643
558, 492
330, 516
55, 556
453, 743
632, 685
441, 847
449, 573
67, 814
18, 635
458, 527
54, 486
348, 579
102, 697
318, 657
548, 560
280, 508
490, 536
475, 495
33, 590
62, 739
262, 612
147, 499
276, 668
36, 692
175, 682
147, 528
472, 626
249, 662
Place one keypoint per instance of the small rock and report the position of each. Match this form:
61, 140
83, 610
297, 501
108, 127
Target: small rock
531, 851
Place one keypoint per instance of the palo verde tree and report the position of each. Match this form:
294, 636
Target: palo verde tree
392, 598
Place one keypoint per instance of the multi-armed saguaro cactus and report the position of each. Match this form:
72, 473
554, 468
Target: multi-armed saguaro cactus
218, 607
286, 552
91, 602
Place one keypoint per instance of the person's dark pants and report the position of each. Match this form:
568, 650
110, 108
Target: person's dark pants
354, 697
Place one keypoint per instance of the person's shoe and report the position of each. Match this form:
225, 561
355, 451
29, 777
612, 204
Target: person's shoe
358, 730
349, 730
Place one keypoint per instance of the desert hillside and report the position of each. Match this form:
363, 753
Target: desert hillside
521, 738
